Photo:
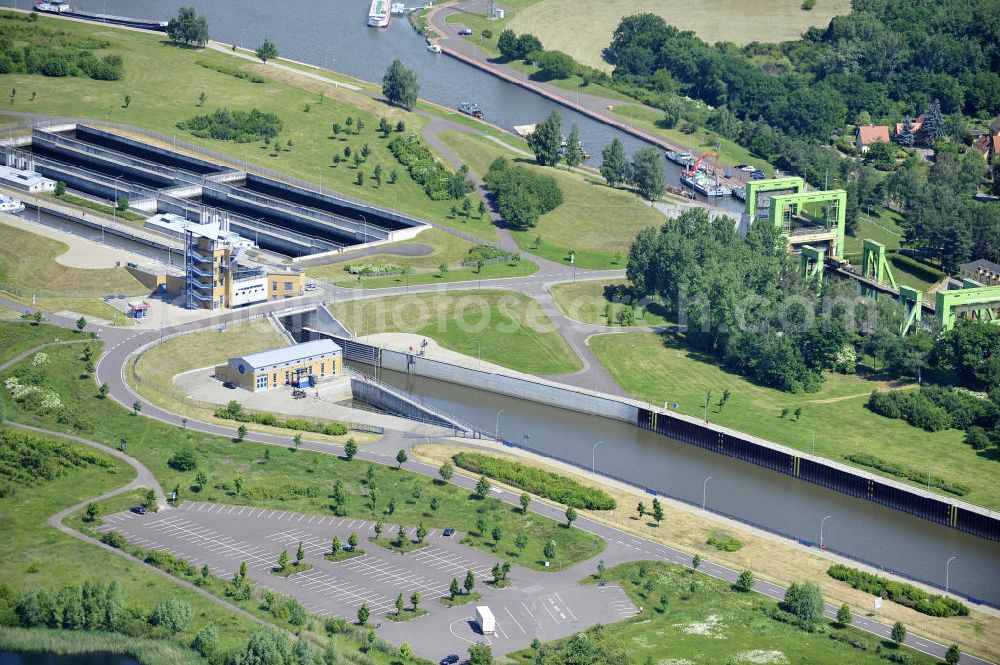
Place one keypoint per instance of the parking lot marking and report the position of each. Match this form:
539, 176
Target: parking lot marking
566, 606
511, 615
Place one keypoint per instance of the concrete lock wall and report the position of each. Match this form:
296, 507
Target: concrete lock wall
383, 399
146, 151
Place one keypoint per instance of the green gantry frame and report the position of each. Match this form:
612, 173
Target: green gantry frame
784, 206
812, 262
874, 264
913, 300
979, 302
755, 187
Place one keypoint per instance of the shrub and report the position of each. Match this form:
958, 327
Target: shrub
172, 615
239, 126
183, 460
416, 156
724, 544
522, 195
233, 411
898, 592
913, 407
918, 268
114, 539
537, 481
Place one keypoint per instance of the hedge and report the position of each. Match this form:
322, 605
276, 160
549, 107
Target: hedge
234, 411
919, 268
898, 592
913, 407
543, 483
900, 471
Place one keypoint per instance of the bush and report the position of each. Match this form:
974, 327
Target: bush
522, 195
724, 544
805, 602
234, 411
416, 156
543, 483
114, 539
239, 126
183, 460
918, 268
898, 592
172, 615
913, 407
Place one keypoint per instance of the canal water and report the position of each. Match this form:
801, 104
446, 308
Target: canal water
334, 35
94, 658
888, 538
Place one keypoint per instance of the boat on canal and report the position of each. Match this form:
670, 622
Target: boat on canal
10, 205
683, 158
64, 9
469, 108
379, 14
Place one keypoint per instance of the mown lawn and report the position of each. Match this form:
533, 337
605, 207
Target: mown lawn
587, 301
584, 220
658, 370
502, 327
297, 481
706, 621
164, 82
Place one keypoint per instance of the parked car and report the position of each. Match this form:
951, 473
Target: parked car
602, 583
229, 384
448, 533
298, 393
310, 286
450, 660
465, 31
758, 175
741, 166
138, 510
747, 168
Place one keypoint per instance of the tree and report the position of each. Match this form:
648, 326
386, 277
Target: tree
481, 210
363, 614
906, 137
202, 97
206, 641
442, 269
520, 542
600, 569
546, 140
648, 172
554, 65
482, 487
81, 323
421, 532
898, 633
570, 516
283, 560
188, 27
172, 615
641, 509
434, 504
401, 459
379, 528
415, 600
267, 50
300, 554
844, 615
93, 512
745, 581
507, 44
805, 602
497, 535
695, 562
481, 525
241, 433
183, 460
480, 654
525, 502
136, 407
405, 651
952, 655
352, 541
657, 511
446, 471
335, 546
470, 581
350, 449
399, 86
399, 604
932, 128
574, 150
297, 440
453, 589
614, 166
549, 550
103, 391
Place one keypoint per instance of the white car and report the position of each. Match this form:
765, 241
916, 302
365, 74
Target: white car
749, 169
310, 286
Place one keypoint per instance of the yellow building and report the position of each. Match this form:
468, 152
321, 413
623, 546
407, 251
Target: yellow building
300, 365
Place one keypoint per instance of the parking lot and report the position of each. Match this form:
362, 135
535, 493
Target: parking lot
536, 604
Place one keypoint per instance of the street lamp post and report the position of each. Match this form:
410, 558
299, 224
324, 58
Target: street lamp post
822, 523
704, 492
593, 458
497, 432
947, 573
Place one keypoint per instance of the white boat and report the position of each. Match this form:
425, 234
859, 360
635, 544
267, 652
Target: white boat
10, 204
398, 8
379, 14
53, 7
704, 184
433, 48
524, 130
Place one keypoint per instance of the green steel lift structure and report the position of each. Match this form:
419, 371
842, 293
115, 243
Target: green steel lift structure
757, 187
974, 300
784, 207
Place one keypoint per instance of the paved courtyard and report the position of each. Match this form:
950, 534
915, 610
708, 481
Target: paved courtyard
546, 605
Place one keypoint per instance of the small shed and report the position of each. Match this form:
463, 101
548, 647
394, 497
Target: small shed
138, 310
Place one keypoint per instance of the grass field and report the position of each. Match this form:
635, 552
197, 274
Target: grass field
67, 642
587, 302
884, 226
164, 82
34, 554
704, 140
581, 222
448, 249
657, 372
279, 477
706, 621
584, 28
501, 327
769, 558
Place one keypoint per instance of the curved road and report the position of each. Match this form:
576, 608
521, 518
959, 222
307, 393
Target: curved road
120, 344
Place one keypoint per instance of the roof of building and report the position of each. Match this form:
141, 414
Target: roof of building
179, 225
914, 124
27, 178
290, 354
873, 133
981, 264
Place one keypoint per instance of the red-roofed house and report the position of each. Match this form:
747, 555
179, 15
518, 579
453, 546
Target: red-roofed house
870, 134
915, 125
